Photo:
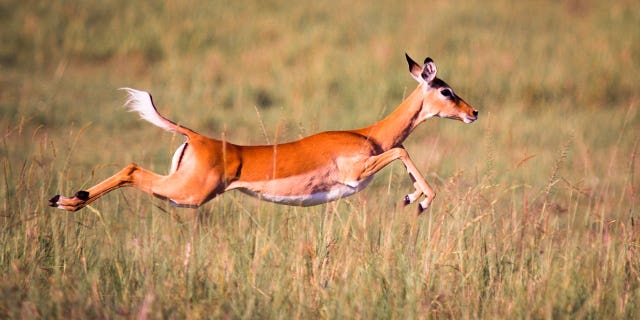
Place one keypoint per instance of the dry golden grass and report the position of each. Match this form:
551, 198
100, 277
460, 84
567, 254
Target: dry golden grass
537, 209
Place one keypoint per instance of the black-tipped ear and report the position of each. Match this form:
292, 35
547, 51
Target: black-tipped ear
410, 61
427, 60
414, 68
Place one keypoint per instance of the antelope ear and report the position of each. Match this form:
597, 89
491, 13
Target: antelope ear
429, 70
414, 69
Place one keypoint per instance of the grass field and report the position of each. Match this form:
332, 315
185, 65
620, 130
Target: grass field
538, 206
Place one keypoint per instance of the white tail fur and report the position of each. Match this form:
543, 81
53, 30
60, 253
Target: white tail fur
141, 102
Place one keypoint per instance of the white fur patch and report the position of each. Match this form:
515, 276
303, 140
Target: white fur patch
337, 192
175, 161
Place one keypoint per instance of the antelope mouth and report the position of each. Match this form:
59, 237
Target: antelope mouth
468, 119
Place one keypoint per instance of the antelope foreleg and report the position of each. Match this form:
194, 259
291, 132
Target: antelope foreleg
374, 164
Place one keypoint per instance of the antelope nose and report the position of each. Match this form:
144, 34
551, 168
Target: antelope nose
475, 113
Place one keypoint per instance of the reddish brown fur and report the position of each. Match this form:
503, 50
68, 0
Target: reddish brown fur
324, 165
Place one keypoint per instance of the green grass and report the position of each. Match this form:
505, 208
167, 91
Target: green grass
537, 213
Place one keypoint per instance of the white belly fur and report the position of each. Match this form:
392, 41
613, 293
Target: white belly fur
336, 192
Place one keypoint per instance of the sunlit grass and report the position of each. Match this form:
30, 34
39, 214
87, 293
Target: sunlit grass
537, 207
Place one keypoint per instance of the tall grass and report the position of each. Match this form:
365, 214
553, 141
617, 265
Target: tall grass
537, 207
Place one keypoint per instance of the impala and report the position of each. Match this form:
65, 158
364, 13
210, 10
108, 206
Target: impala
313, 170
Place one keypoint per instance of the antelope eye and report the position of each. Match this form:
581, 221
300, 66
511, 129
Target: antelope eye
447, 93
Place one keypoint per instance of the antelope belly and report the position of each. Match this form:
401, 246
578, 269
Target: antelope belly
336, 192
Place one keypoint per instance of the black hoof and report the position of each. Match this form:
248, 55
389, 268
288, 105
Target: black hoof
82, 195
420, 209
407, 200
53, 202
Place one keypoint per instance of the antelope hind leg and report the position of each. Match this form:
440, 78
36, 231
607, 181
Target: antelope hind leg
131, 175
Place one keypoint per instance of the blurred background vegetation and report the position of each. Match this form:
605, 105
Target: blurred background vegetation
537, 209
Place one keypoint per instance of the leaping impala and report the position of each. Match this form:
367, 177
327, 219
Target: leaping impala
313, 170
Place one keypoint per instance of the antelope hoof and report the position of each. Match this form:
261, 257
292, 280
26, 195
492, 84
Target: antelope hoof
70, 204
407, 200
53, 202
423, 205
